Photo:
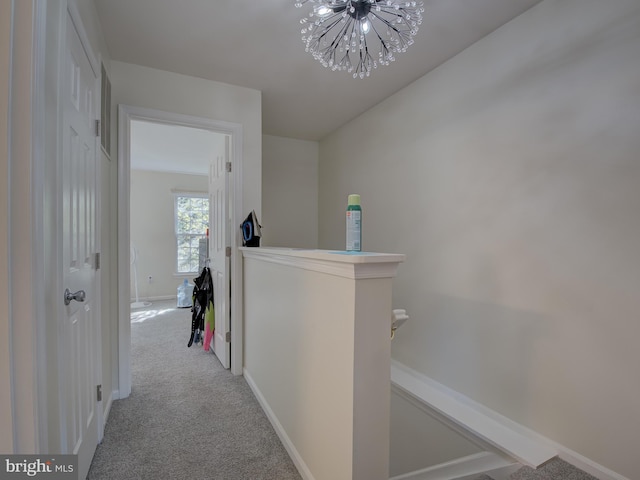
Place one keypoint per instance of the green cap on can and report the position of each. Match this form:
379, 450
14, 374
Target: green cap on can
354, 199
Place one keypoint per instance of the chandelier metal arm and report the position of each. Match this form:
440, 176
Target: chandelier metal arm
389, 23
401, 35
330, 52
328, 28
380, 38
384, 46
415, 15
324, 31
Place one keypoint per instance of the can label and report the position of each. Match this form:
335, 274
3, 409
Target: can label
354, 233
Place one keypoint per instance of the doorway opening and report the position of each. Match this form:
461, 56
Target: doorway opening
169, 207
141, 141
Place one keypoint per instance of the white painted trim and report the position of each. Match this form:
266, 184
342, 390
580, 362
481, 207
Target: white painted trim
463, 468
109, 404
72, 8
127, 113
38, 179
56, 185
502, 473
237, 214
98, 249
496, 430
499, 431
324, 261
124, 280
304, 471
585, 464
159, 298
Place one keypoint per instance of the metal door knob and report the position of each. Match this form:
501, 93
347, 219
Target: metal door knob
79, 296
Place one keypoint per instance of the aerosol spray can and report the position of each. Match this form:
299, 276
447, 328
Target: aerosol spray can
354, 224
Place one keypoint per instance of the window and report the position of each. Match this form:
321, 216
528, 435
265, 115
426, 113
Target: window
192, 221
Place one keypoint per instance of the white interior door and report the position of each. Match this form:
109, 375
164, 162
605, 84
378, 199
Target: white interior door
218, 243
79, 371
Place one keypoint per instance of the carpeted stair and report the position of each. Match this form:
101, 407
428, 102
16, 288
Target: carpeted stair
555, 469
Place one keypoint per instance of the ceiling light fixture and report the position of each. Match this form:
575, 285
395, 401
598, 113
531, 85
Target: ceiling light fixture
339, 32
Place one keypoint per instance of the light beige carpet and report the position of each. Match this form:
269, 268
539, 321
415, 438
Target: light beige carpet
555, 469
187, 417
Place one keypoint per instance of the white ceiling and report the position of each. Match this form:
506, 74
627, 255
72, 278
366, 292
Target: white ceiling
172, 148
257, 44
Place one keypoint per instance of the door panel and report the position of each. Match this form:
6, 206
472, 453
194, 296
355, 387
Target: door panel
78, 332
220, 221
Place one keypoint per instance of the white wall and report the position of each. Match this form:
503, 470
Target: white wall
6, 437
171, 92
153, 232
24, 248
289, 192
418, 440
509, 176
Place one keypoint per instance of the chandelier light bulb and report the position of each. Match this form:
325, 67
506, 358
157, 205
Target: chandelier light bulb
372, 31
322, 10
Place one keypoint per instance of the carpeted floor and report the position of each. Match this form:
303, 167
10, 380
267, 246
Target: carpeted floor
187, 417
556, 469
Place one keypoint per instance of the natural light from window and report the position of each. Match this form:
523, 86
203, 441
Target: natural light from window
192, 221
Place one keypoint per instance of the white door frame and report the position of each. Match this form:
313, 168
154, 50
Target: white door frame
126, 114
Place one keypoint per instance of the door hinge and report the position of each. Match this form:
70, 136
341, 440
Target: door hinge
97, 260
97, 128
227, 251
228, 167
99, 392
228, 337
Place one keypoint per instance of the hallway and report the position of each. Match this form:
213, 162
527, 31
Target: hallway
187, 417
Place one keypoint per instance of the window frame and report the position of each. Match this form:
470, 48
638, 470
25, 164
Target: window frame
177, 195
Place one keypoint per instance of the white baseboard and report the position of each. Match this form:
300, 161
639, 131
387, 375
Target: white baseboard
107, 408
589, 466
465, 468
304, 471
528, 447
155, 299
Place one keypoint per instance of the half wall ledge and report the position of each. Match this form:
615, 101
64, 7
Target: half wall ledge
317, 354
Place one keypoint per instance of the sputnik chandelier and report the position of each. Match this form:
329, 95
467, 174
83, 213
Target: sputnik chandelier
343, 34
